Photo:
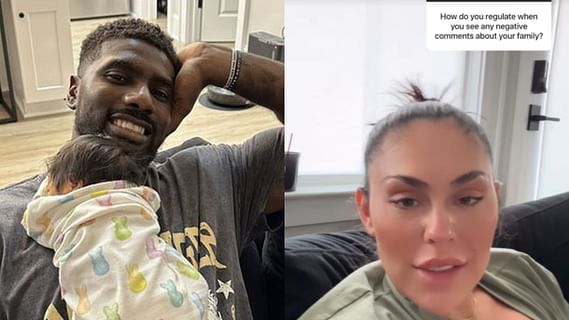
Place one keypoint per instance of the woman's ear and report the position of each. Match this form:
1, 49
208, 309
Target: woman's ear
498, 187
71, 98
363, 209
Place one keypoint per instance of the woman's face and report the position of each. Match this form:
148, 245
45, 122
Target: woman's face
432, 206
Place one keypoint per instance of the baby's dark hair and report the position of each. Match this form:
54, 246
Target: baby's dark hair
90, 159
128, 28
418, 107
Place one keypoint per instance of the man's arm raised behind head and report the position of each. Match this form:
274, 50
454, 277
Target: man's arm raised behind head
259, 79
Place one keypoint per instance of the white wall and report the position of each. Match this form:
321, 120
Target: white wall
266, 15
258, 15
344, 60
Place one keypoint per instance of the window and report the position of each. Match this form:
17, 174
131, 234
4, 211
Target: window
344, 60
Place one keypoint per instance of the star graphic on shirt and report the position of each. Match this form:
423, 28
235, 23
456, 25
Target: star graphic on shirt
225, 288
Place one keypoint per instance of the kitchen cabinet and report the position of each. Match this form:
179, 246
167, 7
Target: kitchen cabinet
40, 48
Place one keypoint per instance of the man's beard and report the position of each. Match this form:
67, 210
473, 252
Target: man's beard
141, 157
95, 124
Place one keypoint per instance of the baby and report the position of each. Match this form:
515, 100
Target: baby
102, 224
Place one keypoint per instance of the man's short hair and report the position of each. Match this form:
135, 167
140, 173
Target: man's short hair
128, 28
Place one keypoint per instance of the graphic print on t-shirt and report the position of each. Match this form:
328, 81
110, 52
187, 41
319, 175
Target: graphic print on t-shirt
199, 237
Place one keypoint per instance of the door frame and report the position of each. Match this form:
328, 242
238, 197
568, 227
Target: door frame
241, 32
193, 23
503, 114
555, 23
148, 9
186, 15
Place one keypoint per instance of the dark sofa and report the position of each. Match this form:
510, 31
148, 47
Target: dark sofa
317, 262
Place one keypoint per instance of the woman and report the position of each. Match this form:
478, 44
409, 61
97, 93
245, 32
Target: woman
431, 202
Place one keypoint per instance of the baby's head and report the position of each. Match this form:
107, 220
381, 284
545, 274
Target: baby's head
90, 159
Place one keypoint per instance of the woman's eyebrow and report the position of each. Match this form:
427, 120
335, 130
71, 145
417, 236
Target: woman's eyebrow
417, 183
414, 182
467, 177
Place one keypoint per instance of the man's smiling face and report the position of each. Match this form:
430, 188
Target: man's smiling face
127, 93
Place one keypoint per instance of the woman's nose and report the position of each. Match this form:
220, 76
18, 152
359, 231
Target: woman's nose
140, 98
438, 226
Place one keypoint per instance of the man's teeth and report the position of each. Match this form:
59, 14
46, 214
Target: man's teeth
129, 125
440, 269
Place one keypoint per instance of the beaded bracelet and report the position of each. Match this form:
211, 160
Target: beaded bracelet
235, 67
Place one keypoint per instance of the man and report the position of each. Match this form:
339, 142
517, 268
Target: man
131, 86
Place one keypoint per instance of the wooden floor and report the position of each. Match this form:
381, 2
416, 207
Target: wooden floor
25, 145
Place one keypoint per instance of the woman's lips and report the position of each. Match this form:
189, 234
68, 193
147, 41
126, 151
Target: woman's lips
436, 263
440, 272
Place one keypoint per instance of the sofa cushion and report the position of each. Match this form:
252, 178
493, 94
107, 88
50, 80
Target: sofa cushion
541, 229
317, 262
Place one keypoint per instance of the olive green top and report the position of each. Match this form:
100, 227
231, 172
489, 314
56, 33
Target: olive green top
512, 277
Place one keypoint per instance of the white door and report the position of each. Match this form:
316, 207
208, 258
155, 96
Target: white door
44, 44
523, 162
554, 166
538, 162
219, 20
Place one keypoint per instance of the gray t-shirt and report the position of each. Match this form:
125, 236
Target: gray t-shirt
512, 277
212, 199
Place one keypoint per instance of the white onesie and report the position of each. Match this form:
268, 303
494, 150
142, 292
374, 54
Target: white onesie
112, 265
